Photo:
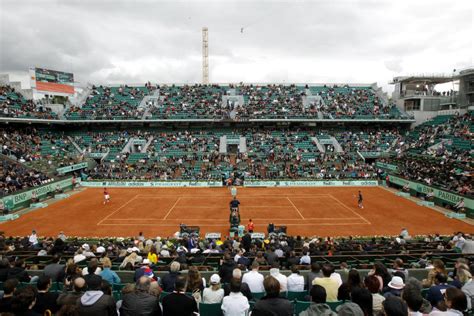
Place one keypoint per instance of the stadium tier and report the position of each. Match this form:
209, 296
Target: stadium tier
214, 102
249, 138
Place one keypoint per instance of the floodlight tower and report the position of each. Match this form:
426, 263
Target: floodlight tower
205, 56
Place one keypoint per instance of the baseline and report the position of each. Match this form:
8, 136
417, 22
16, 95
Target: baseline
121, 207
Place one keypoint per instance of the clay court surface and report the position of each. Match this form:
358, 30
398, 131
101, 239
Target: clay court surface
305, 211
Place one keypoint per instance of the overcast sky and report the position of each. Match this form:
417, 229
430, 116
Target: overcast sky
282, 41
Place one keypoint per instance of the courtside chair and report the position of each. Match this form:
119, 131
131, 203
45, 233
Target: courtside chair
210, 309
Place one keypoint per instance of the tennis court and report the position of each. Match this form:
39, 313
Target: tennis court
305, 211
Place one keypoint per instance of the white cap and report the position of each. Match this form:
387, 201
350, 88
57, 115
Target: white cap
215, 279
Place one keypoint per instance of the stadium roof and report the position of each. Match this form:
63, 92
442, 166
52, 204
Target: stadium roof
423, 79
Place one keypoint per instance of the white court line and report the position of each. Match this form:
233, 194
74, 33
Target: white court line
302, 217
166, 216
345, 206
219, 225
126, 203
241, 196
226, 220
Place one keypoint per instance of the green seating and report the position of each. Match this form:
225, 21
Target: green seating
118, 287
258, 295
334, 305
301, 306
210, 309
296, 296
424, 292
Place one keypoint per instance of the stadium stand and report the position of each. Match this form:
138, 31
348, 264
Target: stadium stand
438, 153
111, 103
352, 263
14, 105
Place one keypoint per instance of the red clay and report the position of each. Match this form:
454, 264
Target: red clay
305, 211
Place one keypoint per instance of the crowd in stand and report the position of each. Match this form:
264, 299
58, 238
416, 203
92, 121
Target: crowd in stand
350, 102
81, 279
13, 104
109, 103
271, 153
447, 175
15, 177
191, 101
448, 166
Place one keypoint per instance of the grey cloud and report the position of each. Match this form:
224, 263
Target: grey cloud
130, 41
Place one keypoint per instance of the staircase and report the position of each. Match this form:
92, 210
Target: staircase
318, 144
81, 151
148, 143
243, 145
336, 145
223, 145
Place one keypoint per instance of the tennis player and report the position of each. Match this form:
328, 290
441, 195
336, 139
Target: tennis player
360, 201
106, 196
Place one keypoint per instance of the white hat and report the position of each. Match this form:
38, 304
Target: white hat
129, 250
396, 283
146, 261
85, 247
215, 279
135, 249
100, 249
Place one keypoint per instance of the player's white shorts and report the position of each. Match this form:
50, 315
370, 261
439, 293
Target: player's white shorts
107, 197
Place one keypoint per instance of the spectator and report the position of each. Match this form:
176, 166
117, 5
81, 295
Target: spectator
412, 297
94, 301
318, 305
295, 280
244, 288
107, 274
71, 297
4, 269
213, 294
236, 304
23, 302
395, 287
55, 270
45, 300
398, 266
228, 265
18, 271
372, 283
140, 302
363, 298
435, 295
349, 309
330, 285
195, 283
254, 279
177, 303
272, 303
314, 273
353, 281
9, 288
169, 280
394, 306
282, 279
438, 267
455, 301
